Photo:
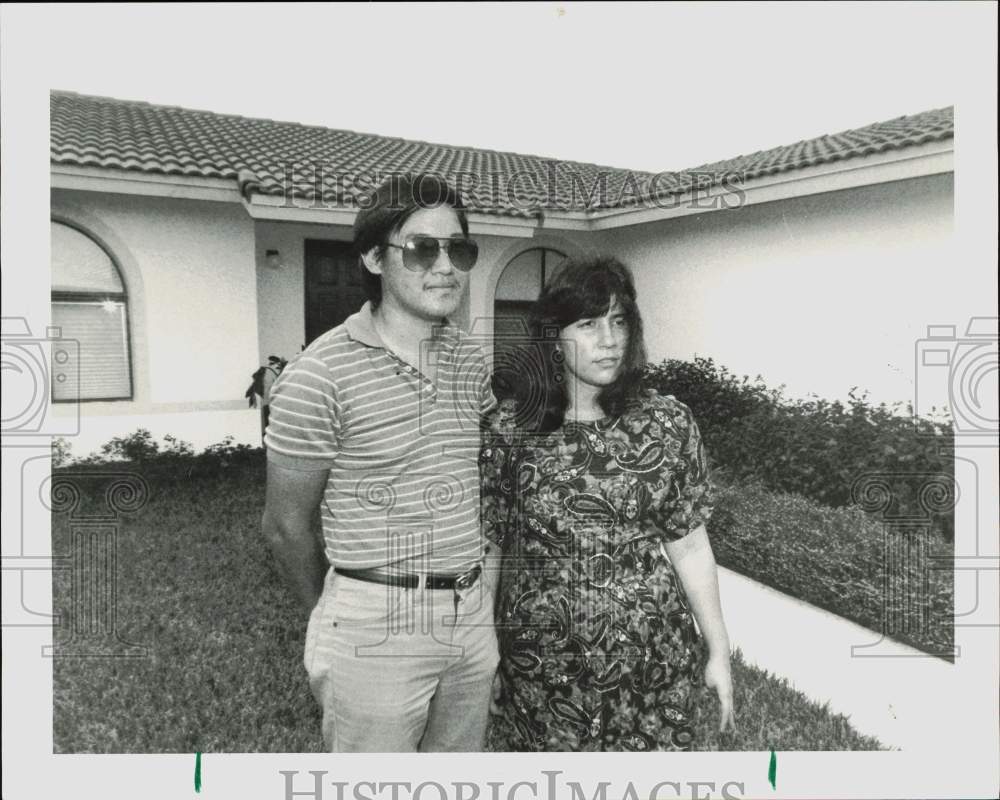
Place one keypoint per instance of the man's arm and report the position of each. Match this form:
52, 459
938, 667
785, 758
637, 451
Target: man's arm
292, 499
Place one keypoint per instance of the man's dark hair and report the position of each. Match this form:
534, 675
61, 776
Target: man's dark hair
394, 202
583, 289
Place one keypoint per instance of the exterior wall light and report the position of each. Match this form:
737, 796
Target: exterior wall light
273, 259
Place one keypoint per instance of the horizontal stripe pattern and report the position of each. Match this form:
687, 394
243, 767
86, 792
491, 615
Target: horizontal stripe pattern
402, 453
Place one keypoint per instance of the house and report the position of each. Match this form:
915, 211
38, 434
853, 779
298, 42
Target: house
188, 246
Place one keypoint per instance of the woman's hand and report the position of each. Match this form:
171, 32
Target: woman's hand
695, 566
496, 696
719, 677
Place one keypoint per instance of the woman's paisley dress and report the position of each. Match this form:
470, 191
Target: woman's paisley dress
599, 650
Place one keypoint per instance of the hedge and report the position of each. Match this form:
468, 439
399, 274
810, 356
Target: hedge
834, 558
815, 448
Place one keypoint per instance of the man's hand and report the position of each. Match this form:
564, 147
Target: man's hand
492, 563
497, 695
292, 499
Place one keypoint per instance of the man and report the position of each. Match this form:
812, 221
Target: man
376, 422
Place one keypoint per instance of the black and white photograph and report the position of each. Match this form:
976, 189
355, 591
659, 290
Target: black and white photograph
401, 398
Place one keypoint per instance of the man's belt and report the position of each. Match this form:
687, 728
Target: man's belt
412, 581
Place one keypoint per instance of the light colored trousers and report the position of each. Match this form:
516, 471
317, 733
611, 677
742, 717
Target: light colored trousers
401, 670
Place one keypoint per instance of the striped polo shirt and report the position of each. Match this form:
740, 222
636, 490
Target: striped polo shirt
402, 452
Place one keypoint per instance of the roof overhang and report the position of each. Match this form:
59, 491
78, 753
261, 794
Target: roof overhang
277, 208
894, 165
120, 181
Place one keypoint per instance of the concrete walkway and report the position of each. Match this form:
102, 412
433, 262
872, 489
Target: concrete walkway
889, 690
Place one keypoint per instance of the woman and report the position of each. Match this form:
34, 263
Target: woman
599, 503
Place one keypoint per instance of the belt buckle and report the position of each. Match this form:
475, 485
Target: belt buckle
466, 579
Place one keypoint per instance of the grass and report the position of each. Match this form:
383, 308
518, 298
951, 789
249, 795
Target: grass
223, 671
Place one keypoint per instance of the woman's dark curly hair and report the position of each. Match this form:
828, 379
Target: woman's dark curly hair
582, 289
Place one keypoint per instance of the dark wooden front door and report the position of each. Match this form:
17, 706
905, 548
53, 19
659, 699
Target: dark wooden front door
333, 285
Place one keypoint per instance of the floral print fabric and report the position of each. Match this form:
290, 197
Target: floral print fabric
599, 650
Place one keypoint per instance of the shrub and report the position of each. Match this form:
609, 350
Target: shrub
833, 558
814, 447
177, 459
62, 452
225, 454
177, 448
713, 393
139, 447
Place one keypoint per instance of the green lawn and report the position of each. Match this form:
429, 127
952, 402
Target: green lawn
223, 668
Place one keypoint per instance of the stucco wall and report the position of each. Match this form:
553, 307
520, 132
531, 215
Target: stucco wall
281, 292
821, 293
189, 271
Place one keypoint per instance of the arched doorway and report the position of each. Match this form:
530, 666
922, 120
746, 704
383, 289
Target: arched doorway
518, 287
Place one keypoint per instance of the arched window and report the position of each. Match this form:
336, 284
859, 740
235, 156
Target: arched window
90, 306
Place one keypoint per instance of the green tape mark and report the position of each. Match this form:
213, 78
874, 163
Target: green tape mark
197, 772
772, 770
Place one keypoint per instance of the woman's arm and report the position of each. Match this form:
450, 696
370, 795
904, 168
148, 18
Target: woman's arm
695, 566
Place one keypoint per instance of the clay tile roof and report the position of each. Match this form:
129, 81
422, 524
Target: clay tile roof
339, 167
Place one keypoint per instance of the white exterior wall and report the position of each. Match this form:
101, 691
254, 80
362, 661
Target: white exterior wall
189, 271
281, 312
821, 293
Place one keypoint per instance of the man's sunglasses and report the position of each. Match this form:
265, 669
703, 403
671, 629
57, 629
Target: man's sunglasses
420, 252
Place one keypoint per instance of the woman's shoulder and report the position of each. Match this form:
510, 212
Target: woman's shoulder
651, 401
514, 423
673, 416
502, 421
